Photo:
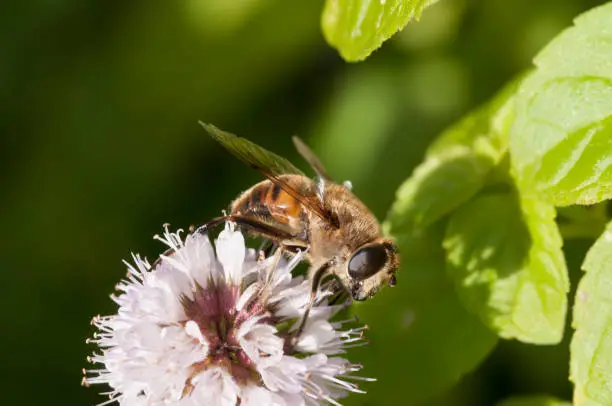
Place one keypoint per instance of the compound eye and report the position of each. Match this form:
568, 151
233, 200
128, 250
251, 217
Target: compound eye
367, 261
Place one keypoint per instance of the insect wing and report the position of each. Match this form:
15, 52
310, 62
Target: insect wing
269, 164
252, 154
311, 158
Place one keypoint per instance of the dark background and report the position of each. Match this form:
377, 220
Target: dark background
100, 145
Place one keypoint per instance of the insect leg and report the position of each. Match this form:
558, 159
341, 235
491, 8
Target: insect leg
159, 259
340, 293
260, 227
267, 247
315, 281
264, 229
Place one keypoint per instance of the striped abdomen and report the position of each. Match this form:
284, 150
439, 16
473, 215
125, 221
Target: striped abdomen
269, 202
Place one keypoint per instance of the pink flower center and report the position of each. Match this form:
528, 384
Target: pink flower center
214, 311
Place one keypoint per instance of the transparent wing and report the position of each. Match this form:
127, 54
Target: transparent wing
252, 154
270, 165
311, 158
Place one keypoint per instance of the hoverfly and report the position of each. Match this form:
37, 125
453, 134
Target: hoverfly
339, 233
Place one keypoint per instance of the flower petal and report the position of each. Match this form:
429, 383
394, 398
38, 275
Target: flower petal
256, 396
231, 252
260, 342
285, 376
316, 334
214, 387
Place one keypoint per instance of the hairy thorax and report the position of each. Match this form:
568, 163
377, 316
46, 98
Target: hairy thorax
357, 225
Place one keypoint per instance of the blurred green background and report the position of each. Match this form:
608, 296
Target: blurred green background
100, 145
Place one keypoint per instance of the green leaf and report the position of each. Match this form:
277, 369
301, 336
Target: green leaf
358, 27
591, 348
504, 254
438, 186
582, 222
456, 165
537, 400
421, 337
560, 142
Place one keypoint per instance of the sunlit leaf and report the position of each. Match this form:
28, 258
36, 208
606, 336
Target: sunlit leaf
456, 165
358, 27
537, 400
422, 340
438, 186
591, 348
560, 144
504, 254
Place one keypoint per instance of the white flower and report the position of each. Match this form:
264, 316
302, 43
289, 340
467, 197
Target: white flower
204, 329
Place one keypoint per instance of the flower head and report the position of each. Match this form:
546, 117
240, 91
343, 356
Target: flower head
201, 328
